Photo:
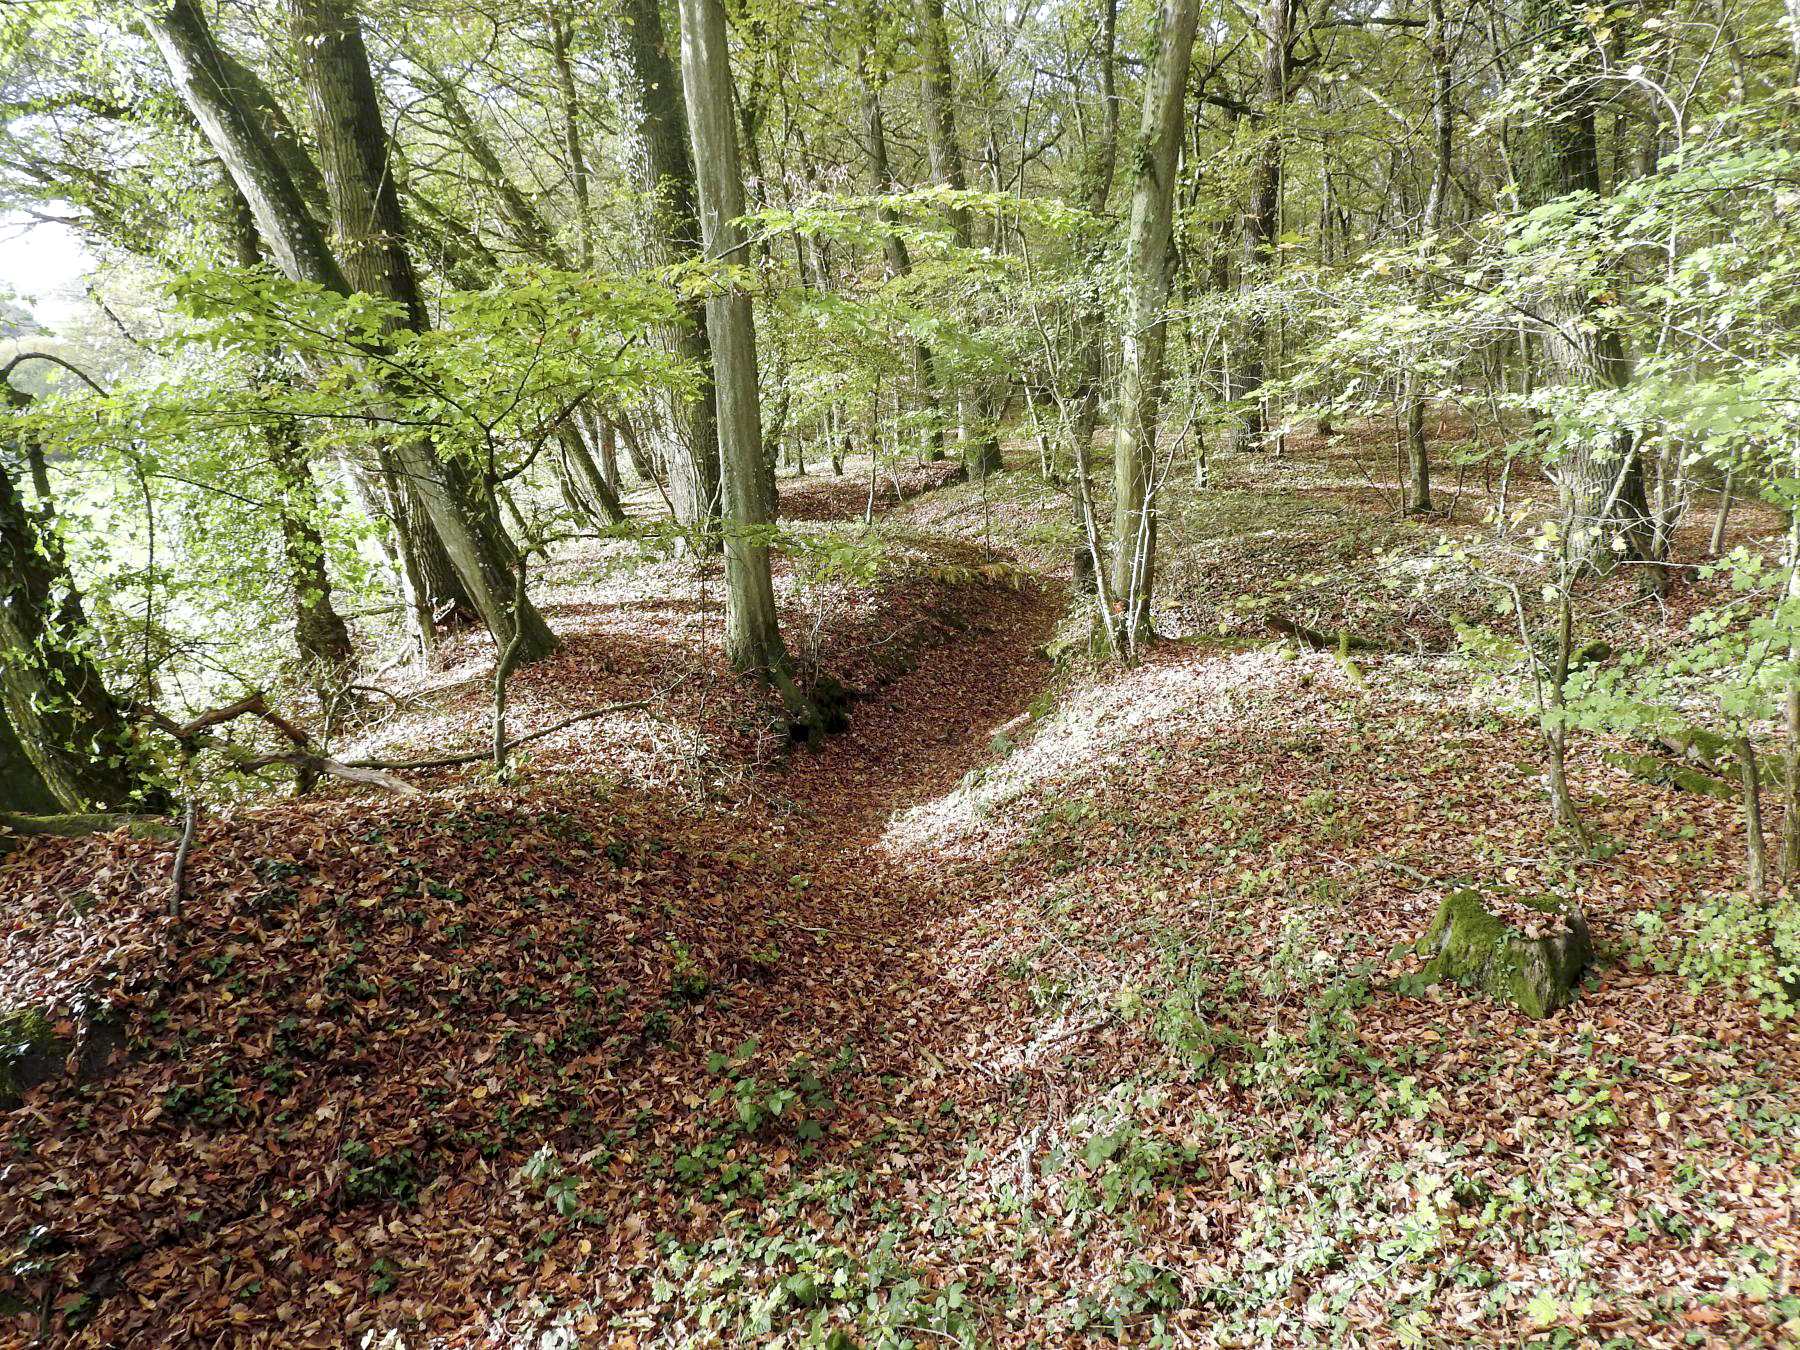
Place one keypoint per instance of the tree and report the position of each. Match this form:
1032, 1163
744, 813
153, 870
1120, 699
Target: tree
1149, 260
752, 633
980, 442
1417, 490
881, 181
365, 207
1262, 214
656, 148
77, 736
371, 233
1601, 477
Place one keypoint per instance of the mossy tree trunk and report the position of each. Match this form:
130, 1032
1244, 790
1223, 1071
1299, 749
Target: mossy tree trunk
658, 156
80, 744
1149, 264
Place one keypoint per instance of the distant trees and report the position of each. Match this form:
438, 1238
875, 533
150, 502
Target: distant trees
515, 296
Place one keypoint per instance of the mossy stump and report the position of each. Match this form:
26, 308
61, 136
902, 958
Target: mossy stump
31, 1051
1538, 974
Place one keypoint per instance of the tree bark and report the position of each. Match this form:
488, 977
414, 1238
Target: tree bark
1603, 491
1418, 459
980, 442
366, 214
1262, 217
899, 260
1100, 168
365, 206
752, 635
1149, 264
573, 147
658, 158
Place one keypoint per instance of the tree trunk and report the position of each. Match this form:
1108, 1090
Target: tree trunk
752, 635
980, 442
320, 632
1418, 459
1602, 489
366, 210
81, 747
573, 147
899, 261
658, 158
1149, 263
1262, 218
1099, 170
598, 501
365, 206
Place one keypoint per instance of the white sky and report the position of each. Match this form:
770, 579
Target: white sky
41, 265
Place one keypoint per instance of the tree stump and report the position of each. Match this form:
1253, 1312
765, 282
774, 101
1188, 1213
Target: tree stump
1537, 973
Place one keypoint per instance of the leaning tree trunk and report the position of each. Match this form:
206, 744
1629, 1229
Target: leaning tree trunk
658, 158
980, 440
80, 744
366, 206
598, 500
371, 232
1149, 263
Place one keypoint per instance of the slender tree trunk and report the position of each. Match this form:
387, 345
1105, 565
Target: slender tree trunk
752, 636
659, 158
1150, 261
1262, 218
574, 149
1100, 168
320, 634
535, 235
1755, 845
1418, 458
980, 441
319, 630
899, 261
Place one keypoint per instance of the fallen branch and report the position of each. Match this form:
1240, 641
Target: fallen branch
472, 756
190, 822
306, 762
1318, 641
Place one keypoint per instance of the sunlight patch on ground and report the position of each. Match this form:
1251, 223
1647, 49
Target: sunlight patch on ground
1083, 736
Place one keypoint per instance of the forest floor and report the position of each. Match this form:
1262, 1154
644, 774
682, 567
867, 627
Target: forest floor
1104, 1028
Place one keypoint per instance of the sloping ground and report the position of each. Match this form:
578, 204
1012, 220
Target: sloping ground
379, 1012
1103, 1031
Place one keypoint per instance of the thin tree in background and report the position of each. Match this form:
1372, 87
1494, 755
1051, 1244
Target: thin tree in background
980, 442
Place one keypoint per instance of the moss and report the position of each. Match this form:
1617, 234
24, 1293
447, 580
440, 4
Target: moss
25, 1035
1468, 944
